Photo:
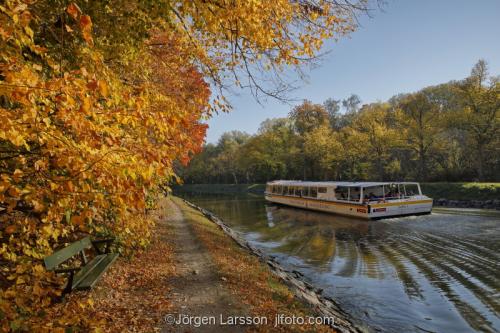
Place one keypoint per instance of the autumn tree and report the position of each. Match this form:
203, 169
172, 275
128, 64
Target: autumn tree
432, 134
351, 106
332, 107
480, 115
323, 149
371, 128
99, 100
308, 116
419, 121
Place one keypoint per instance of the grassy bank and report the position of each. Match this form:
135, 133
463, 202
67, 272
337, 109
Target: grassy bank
462, 191
247, 278
450, 191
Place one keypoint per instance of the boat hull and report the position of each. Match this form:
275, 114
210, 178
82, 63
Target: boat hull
369, 211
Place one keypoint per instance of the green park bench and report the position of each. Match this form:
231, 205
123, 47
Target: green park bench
88, 273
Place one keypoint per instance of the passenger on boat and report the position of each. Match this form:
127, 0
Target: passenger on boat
370, 197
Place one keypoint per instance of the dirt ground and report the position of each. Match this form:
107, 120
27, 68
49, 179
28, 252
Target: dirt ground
197, 290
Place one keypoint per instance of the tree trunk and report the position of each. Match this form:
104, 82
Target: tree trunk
422, 157
480, 162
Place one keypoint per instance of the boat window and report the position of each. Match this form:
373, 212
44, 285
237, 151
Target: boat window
373, 193
392, 192
305, 191
313, 192
409, 190
321, 189
354, 193
297, 191
285, 190
341, 193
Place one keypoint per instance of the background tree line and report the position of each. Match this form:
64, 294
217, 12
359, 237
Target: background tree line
447, 132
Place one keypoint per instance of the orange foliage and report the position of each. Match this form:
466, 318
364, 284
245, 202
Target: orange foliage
82, 148
97, 102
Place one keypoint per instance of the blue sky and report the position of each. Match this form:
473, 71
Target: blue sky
409, 45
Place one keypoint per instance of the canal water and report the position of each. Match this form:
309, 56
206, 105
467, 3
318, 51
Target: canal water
432, 273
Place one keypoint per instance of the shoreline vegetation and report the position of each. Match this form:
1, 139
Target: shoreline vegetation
460, 195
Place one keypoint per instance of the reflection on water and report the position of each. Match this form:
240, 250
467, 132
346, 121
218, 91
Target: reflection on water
437, 273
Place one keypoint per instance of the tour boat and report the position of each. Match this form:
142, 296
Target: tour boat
369, 200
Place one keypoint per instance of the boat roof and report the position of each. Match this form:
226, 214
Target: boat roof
329, 184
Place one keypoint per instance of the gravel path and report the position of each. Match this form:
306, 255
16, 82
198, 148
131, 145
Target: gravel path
197, 290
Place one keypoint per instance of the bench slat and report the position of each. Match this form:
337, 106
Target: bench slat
91, 277
69, 251
85, 270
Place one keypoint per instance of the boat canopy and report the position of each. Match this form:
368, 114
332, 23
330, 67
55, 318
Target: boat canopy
334, 184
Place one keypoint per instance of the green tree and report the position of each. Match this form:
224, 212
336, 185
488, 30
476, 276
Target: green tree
273, 153
230, 144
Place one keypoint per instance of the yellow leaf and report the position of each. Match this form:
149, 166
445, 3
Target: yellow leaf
17, 175
85, 108
103, 88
